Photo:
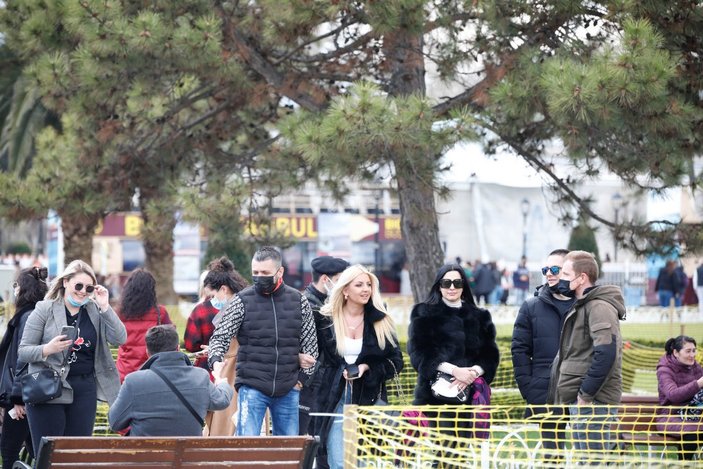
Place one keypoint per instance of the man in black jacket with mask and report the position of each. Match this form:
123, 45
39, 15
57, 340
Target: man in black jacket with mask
274, 325
536, 342
325, 272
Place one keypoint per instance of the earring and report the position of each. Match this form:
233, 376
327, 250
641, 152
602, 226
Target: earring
345, 297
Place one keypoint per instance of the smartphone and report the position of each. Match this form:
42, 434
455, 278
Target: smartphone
70, 332
352, 371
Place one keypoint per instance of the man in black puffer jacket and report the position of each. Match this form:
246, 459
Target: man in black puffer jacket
536, 343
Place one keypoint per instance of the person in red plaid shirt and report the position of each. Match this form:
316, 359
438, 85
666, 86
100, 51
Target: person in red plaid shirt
199, 329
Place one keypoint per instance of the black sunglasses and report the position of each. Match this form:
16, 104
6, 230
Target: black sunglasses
447, 283
88, 288
555, 269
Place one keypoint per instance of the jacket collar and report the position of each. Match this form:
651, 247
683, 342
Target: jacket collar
161, 359
316, 293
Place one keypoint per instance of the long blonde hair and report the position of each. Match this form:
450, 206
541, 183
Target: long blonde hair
57, 290
385, 329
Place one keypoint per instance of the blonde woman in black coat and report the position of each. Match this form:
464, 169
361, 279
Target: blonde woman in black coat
449, 333
358, 353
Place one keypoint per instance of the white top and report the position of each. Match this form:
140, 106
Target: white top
352, 349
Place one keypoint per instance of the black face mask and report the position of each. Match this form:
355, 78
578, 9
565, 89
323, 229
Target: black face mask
563, 288
264, 285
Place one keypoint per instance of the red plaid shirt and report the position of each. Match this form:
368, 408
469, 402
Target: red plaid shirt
199, 329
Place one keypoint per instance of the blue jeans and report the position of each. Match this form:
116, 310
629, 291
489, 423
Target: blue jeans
252, 408
590, 429
335, 438
520, 296
665, 297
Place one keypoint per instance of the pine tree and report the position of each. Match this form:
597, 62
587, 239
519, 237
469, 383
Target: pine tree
583, 238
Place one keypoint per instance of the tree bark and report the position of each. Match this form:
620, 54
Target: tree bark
420, 230
157, 237
416, 193
78, 232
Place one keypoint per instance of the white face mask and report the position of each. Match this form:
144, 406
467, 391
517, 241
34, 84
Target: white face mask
329, 286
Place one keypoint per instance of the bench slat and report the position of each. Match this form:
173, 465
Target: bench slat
181, 452
238, 454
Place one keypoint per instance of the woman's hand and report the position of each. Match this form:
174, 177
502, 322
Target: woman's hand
19, 412
465, 375
102, 298
363, 368
56, 345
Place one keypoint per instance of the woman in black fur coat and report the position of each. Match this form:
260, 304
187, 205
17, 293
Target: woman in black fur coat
449, 333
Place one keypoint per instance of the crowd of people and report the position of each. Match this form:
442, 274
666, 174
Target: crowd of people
303, 356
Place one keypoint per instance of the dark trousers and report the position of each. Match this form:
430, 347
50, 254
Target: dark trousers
552, 425
690, 443
74, 419
15, 433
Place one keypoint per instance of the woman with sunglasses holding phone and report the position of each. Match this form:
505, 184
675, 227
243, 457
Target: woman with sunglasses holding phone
90, 373
448, 333
29, 288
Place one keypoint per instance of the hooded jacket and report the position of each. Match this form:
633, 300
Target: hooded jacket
535, 344
677, 384
150, 407
589, 362
132, 354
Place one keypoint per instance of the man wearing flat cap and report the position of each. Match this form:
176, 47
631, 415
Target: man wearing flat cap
325, 272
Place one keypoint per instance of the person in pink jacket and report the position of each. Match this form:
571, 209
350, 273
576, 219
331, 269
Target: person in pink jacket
680, 380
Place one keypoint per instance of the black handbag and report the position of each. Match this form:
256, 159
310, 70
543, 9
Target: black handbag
43, 385
444, 390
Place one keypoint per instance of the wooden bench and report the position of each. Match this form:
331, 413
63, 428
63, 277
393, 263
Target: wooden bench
637, 424
278, 452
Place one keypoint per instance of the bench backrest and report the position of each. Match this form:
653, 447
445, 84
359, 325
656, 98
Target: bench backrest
638, 414
177, 452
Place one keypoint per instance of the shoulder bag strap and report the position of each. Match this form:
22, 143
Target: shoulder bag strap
179, 395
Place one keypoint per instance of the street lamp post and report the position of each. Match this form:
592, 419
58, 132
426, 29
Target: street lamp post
525, 208
617, 202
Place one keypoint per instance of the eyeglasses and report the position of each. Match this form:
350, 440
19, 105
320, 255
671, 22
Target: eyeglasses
88, 288
447, 283
555, 269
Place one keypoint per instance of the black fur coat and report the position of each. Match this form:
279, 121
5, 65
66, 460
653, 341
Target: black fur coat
462, 336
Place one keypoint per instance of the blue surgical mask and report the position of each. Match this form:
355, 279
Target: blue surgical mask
74, 303
217, 303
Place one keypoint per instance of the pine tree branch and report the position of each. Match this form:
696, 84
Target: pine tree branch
292, 85
430, 26
361, 40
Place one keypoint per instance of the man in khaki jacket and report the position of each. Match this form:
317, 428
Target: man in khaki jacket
587, 372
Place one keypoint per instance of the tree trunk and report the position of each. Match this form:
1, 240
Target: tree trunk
418, 219
157, 235
418, 224
78, 232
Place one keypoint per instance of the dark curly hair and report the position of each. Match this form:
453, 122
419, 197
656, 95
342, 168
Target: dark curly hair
139, 295
435, 295
222, 272
33, 287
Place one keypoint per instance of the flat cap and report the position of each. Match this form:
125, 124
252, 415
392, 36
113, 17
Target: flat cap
328, 265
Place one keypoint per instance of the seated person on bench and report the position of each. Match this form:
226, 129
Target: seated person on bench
167, 396
680, 380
